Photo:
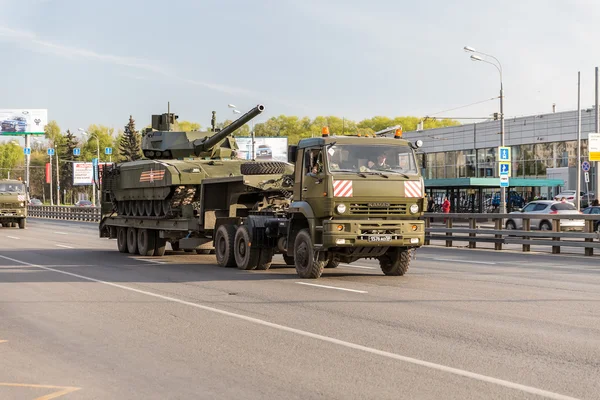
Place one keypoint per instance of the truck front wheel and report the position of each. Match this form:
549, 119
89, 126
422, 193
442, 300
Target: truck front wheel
22, 223
395, 262
307, 265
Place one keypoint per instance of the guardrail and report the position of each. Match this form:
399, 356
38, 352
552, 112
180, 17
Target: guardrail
491, 228
71, 213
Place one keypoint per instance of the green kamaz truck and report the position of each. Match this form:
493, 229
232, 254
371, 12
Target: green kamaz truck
337, 199
13, 203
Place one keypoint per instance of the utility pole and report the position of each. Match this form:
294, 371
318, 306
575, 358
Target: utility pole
578, 165
50, 174
597, 130
57, 179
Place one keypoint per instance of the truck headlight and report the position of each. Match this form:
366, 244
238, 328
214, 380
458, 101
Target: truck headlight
341, 208
414, 208
22, 204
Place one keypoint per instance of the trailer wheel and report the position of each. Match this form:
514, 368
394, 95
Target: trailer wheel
395, 262
132, 241
146, 242
332, 263
160, 244
223, 241
122, 239
265, 259
263, 168
246, 257
307, 265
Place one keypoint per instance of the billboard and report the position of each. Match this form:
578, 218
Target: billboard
23, 121
265, 148
83, 173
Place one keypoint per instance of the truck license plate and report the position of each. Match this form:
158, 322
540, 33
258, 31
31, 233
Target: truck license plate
380, 238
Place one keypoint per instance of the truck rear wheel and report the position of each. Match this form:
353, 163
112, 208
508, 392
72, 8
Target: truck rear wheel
265, 259
307, 265
289, 260
331, 263
146, 241
395, 262
223, 241
246, 257
263, 168
122, 239
132, 241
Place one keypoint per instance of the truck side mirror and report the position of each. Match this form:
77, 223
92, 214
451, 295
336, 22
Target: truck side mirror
292, 153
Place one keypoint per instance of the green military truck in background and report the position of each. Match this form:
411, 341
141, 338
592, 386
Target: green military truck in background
13, 203
338, 199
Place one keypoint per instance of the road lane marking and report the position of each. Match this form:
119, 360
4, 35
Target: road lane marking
150, 261
464, 261
61, 392
3, 341
61, 233
357, 266
12, 237
323, 338
64, 246
330, 287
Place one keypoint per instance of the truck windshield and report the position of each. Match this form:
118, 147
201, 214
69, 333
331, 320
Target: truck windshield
371, 158
11, 187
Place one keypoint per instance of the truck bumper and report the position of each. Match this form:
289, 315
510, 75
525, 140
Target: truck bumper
12, 213
373, 233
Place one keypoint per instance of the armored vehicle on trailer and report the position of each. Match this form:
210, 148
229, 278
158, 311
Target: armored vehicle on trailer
13, 203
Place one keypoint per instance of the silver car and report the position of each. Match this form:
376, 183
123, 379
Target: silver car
547, 207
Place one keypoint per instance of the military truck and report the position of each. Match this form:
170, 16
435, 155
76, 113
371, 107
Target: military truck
339, 199
13, 203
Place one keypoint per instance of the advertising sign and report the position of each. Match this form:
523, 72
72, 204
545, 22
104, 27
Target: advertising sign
14, 122
594, 146
265, 148
83, 173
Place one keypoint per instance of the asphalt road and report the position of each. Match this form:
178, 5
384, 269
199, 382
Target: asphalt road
79, 320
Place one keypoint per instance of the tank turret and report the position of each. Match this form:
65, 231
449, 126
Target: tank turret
164, 143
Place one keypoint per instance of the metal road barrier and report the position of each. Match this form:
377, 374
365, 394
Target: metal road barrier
491, 228
72, 213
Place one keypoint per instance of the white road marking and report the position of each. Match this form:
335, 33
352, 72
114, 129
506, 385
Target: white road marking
330, 287
323, 338
64, 246
356, 266
61, 233
464, 261
150, 261
12, 237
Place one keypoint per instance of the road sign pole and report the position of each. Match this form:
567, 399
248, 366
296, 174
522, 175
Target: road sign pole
27, 159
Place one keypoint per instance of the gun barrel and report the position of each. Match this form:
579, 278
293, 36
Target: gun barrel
204, 145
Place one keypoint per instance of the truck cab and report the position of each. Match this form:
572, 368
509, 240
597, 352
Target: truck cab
13, 203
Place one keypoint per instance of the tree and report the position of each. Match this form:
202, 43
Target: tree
187, 126
11, 156
130, 143
105, 137
66, 167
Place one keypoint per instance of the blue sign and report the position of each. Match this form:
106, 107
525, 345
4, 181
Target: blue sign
27, 151
108, 150
504, 153
95, 162
504, 168
76, 151
585, 166
50, 152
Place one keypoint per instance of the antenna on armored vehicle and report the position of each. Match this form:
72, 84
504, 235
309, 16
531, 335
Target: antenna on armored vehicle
168, 115
213, 121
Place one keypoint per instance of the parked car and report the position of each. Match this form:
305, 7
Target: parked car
16, 124
513, 199
568, 194
264, 151
35, 202
84, 203
547, 207
594, 210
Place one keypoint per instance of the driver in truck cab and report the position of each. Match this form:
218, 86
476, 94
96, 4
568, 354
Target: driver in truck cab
380, 164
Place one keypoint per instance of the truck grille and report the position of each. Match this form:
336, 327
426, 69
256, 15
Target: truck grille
9, 205
377, 209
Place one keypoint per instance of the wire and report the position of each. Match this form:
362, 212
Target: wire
458, 108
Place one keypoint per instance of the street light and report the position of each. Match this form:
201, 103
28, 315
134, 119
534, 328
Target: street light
475, 57
97, 155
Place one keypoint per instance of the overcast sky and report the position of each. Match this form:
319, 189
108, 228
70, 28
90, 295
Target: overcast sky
99, 61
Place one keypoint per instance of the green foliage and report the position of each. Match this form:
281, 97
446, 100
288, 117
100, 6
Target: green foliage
187, 126
11, 156
130, 143
66, 157
105, 136
243, 131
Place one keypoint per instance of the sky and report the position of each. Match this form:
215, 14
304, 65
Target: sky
92, 62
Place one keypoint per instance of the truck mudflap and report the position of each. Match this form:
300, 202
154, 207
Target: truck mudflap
383, 233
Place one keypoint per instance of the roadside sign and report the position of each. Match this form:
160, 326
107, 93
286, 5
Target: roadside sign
585, 166
504, 153
504, 181
76, 151
504, 168
94, 162
108, 150
27, 151
587, 177
594, 146
50, 152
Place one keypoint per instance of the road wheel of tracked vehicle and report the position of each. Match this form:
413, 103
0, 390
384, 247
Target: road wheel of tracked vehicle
265, 259
395, 262
122, 239
289, 260
160, 244
246, 257
263, 168
22, 223
121, 208
127, 207
224, 240
307, 265
132, 241
148, 208
140, 208
146, 242
157, 207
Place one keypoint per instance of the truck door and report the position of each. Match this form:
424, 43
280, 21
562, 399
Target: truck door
313, 179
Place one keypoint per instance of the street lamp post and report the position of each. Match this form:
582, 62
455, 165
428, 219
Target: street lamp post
95, 184
498, 66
